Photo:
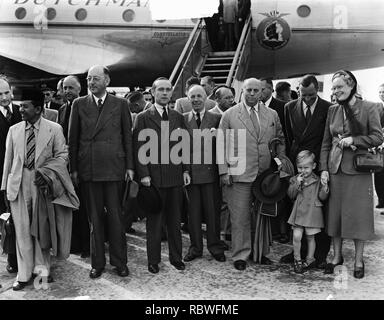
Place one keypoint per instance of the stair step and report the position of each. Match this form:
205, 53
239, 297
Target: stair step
219, 59
218, 65
216, 71
221, 53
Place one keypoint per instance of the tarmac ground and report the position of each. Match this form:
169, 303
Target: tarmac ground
207, 279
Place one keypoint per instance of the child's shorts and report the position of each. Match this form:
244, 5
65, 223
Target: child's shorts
308, 230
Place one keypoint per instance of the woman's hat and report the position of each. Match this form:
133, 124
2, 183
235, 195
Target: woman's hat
269, 187
149, 199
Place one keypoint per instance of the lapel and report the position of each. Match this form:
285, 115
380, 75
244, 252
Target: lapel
106, 113
205, 122
20, 141
298, 116
154, 116
42, 138
246, 120
172, 117
264, 119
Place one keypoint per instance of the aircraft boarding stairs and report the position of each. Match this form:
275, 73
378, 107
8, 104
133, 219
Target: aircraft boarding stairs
197, 59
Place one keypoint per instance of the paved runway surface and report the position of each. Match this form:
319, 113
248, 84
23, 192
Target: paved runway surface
206, 278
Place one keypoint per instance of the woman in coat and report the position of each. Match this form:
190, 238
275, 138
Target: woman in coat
352, 126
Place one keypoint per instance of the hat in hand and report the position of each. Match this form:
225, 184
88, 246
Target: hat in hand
269, 187
149, 199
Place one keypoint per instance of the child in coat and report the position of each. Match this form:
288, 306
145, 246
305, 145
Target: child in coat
307, 214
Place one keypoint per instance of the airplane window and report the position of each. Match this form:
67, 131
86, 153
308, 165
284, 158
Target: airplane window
303, 11
20, 13
128, 15
50, 13
81, 14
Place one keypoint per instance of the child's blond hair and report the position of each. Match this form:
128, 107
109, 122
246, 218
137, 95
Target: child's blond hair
303, 155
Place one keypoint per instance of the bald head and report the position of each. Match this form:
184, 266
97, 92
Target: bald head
197, 96
71, 88
98, 80
251, 91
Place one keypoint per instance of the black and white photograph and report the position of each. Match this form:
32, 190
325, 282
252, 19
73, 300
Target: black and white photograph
191, 155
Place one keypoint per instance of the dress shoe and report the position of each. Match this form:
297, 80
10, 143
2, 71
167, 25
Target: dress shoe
179, 265
191, 256
329, 267
265, 260
153, 268
321, 264
224, 245
219, 257
288, 258
19, 285
11, 269
298, 266
124, 272
358, 272
85, 254
240, 264
283, 238
309, 265
95, 273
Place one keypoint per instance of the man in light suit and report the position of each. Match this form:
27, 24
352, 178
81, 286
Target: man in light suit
168, 176
30, 144
9, 115
204, 197
255, 126
101, 158
183, 105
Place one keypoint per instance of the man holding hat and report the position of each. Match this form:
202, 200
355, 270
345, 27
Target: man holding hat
255, 126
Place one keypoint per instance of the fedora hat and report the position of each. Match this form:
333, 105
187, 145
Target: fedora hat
130, 192
149, 199
269, 187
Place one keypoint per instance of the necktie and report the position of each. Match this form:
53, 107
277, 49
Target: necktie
255, 120
198, 119
308, 114
100, 105
165, 114
46, 105
8, 115
31, 144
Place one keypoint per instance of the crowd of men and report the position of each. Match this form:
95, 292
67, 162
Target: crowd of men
79, 157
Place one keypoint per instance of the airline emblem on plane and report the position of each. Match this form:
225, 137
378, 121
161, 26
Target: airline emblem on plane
273, 32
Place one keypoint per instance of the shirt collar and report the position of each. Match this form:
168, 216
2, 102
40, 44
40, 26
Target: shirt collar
10, 107
249, 108
160, 108
102, 98
266, 103
36, 124
201, 113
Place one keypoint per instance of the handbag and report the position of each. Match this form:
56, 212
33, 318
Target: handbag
371, 161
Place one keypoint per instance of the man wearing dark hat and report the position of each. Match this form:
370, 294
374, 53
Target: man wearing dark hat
101, 158
9, 115
48, 96
161, 170
305, 122
255, 126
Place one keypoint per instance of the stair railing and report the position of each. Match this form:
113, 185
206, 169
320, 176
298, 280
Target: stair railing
242, 48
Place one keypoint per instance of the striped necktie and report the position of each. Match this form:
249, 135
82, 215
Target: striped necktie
255, 119
31, 145
8, 115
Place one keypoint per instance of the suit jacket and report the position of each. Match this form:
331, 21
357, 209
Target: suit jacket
216, 110
100, 146
54, 106
206, 171
63, 118
148, 127
299, 135
278, 106
50, 114
183, 105
50, 143
252, 150
4, 127
332, 157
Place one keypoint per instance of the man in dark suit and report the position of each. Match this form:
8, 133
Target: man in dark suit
9, 115
379, 176
48, 98
161, 170
204, 197
100, 150
304, 123
80, 225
